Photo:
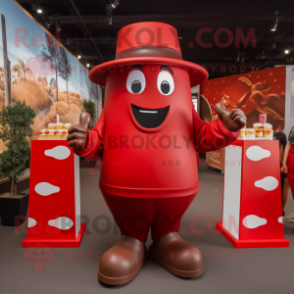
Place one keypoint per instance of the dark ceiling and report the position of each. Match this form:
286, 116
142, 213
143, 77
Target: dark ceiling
85, 30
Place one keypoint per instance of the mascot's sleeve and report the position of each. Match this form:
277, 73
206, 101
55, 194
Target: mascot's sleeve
211, 136
95, 141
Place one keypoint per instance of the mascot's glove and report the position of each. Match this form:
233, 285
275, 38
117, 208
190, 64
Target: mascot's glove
77, 134
234, 120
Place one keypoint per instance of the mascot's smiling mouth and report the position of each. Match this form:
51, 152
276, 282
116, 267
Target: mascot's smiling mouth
149, 118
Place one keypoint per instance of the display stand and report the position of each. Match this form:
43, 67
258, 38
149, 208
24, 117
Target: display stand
252, 206
54, 203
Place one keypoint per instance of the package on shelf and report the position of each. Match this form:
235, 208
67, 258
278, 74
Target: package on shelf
54, 131
260, 131
59, 126
67, 126
56, 118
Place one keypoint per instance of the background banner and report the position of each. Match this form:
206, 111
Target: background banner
41, 71
255, 93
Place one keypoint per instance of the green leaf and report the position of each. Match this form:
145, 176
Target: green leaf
89, 106
15, 127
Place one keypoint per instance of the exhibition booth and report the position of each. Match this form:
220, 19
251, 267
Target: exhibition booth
101, 166
253, 159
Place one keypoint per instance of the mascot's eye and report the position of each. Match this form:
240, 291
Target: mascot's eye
136, 82
165, 83
136, 87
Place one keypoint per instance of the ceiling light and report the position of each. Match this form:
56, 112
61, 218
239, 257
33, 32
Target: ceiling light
66, 41
274, 28
36, 9
114, 3
56, 20
109, 9
46, 22
238, 56
88, 64
287, 51
79, 56
180, 34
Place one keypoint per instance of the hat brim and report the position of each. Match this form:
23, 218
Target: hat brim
197, 73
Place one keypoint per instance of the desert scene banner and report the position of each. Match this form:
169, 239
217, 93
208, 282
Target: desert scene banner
40, 71
257, 92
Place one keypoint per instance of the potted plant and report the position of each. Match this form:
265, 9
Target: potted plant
15, 130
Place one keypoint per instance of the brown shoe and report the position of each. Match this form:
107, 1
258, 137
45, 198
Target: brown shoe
177, 256
122, 262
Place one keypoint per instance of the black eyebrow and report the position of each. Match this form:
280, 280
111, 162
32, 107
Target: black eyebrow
168, 68
136, 66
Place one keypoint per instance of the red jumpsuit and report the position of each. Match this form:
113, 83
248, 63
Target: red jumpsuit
149, 177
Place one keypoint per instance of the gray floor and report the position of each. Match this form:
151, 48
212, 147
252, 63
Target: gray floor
227, 270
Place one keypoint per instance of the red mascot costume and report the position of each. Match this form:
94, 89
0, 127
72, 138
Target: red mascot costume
147, 136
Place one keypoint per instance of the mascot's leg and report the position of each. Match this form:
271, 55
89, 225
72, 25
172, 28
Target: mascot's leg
168, 249
122, 262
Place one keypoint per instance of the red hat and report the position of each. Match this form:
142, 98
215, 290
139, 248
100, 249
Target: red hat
148, 43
